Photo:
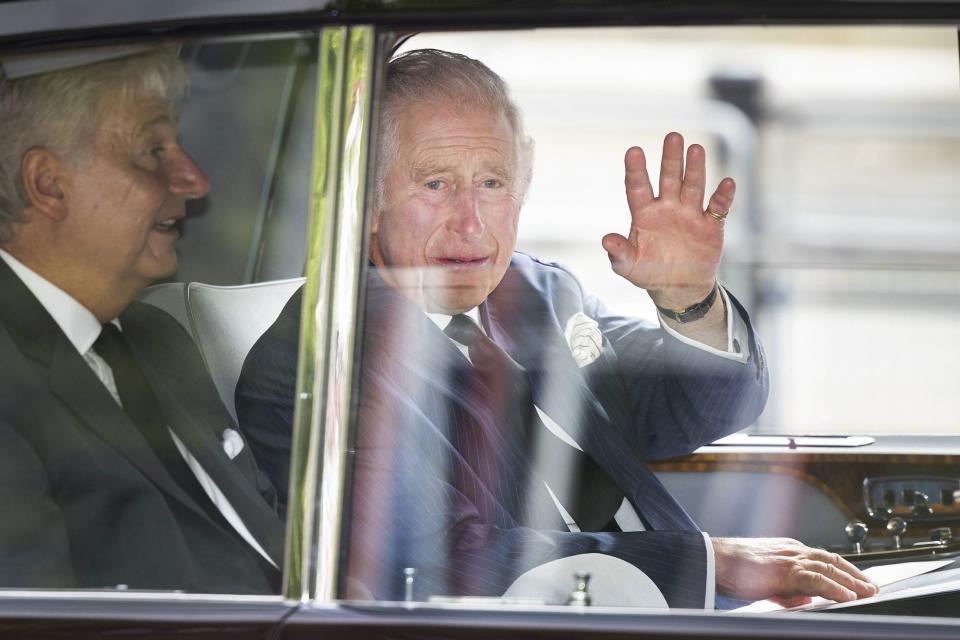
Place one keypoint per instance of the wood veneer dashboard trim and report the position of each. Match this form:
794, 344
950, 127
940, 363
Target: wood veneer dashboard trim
836, 475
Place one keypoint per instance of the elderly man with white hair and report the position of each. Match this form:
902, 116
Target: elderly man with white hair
118, 463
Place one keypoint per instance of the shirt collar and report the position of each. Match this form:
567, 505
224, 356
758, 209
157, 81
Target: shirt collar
76, 321
443, 319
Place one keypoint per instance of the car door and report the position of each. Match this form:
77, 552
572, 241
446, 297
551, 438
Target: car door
247, 123
294, 181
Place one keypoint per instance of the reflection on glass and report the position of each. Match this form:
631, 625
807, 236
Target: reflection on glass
842, 241
479, 437
505, 417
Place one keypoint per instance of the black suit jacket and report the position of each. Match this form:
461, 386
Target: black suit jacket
439, 487
86, 501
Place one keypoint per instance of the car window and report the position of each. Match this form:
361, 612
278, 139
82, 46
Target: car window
149, 190
509, 404
545, 445
844, 144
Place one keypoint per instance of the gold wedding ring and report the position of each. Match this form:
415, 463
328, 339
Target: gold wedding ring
719, 217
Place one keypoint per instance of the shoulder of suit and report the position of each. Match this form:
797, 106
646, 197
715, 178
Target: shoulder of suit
140, 317
543, 274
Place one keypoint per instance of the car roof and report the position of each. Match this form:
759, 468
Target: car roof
41, 23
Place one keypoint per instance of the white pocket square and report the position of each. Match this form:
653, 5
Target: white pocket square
232, 443
583, 336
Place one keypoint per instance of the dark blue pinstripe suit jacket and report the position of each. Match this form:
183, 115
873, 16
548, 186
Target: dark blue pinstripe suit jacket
439, 487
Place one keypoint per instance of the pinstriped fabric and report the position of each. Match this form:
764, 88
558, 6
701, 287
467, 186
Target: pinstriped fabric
436, 484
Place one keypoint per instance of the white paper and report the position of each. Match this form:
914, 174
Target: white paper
883, 575
912, 592
890, 573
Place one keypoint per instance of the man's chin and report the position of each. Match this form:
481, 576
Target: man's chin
438, 290
160, 268
449, 300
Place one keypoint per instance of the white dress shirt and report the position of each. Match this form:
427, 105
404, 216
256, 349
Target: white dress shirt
737, 335
82, 330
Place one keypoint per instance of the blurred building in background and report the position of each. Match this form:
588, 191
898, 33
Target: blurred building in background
845, 238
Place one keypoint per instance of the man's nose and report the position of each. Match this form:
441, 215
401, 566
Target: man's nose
467, 218
187, 178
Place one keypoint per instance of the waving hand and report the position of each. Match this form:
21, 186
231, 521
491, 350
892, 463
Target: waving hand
674, 245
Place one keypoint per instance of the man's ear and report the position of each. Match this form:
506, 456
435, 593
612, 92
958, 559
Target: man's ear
375, 256
40, 176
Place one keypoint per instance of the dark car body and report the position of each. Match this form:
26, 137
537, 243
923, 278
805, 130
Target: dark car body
351, 40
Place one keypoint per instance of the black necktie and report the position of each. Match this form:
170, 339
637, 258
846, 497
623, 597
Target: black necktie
582, 487
141, 405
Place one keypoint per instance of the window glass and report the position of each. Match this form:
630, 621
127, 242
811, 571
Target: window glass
844, 143
513, 409
146, 191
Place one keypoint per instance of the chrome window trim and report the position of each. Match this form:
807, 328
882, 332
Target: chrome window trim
329, 315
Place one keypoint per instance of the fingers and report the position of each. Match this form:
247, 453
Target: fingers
828, 581
695, 177
618, 249
671, 166
838, 561
636, 179
830, 576
843, 573
681, 181
722, 199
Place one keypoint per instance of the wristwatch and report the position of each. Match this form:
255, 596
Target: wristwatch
694, 311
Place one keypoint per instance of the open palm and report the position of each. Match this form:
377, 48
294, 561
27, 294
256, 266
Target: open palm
673, 248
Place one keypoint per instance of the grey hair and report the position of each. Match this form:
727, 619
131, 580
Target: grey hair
58, 111
431, 75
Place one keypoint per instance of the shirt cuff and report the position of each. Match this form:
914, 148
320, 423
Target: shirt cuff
710, 599
738, 345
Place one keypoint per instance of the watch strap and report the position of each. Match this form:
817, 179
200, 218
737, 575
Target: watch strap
694, 311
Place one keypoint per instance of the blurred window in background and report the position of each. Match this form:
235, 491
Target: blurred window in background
844, 241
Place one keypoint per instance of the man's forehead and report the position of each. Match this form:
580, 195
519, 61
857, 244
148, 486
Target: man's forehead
446, 130
134, 114
453, 145
426, 112
433, 162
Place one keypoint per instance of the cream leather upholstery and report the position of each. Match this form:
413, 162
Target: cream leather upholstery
225, 321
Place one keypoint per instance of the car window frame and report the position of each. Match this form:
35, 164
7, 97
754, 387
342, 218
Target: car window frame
333, 345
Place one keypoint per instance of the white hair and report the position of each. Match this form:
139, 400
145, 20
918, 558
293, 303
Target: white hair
431, 75
58, 111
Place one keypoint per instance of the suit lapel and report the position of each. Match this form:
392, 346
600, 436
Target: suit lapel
409, 348
519, 318
193, 411
199, 434
73, 382
521, 321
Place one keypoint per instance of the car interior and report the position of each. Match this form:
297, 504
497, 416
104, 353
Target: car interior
237, 256
843, 244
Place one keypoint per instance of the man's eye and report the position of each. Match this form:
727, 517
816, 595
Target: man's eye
434, 185
492, 183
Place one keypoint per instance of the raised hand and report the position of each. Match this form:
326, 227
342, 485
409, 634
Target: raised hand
674, 245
